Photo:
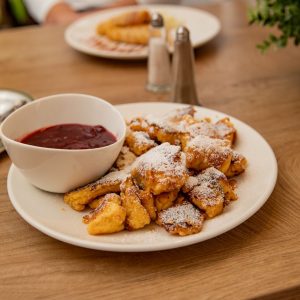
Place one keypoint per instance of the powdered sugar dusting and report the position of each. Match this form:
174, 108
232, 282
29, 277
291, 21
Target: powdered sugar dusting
112, 177
142, 138
210, 195
205, 142
237, 156
219, 130
181, 215
138, 124
190, 183
208, 186
164, 158
125, 158
180, 112
223, 129
211, 174
168, 123
215, 151
202, 128
161, 122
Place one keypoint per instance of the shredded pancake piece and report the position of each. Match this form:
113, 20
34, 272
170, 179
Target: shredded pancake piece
82, 196
136, 214
108, 217
125, 159
223, 130
139, 142
165, 200
210, 191
167, 128
203, 152
182, 219
237, 166
161, 169
138, 124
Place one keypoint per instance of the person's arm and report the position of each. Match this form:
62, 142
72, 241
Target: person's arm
38, 9
61, 13
51, 11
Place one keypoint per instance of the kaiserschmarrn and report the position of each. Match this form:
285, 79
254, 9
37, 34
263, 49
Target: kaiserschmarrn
174, 170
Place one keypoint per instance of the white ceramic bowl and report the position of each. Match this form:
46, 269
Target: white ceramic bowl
60, 170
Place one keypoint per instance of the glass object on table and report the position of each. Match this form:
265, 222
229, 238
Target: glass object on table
159, 67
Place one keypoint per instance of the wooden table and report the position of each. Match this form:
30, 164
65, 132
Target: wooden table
260, 258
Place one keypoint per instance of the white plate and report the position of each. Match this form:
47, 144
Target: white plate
81, 35
48, 213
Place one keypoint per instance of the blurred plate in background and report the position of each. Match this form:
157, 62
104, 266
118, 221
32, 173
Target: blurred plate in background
82, 36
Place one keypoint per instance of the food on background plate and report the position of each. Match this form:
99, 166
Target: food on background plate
132, 27
173, 170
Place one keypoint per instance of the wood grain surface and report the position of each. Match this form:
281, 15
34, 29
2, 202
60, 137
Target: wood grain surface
258, 259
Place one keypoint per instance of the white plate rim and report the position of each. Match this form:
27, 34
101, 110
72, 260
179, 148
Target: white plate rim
192, 239
133, 56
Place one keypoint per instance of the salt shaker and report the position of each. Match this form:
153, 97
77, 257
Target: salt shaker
159, 67
183, 87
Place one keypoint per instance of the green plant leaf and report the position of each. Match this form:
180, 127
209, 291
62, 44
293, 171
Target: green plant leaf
283, 14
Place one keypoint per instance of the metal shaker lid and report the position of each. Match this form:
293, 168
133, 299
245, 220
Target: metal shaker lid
182, 34
157, 20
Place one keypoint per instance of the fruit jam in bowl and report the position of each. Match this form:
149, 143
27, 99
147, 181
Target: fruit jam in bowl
63, 141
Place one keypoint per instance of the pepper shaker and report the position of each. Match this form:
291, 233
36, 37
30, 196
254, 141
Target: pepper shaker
184, 86
159, 67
